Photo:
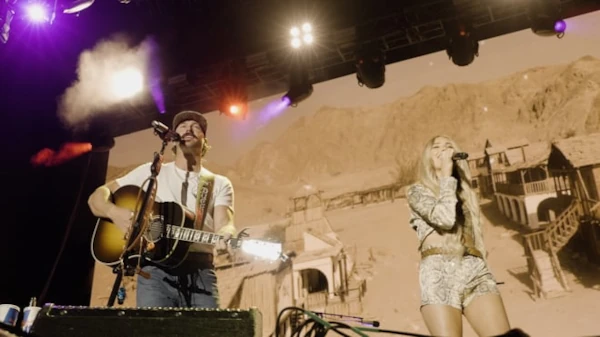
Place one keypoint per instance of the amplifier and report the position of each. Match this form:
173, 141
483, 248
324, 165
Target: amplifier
70, 321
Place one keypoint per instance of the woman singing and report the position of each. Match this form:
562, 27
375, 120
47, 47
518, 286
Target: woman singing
453, 271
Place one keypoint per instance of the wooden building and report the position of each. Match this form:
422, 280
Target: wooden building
575, 164
521, 183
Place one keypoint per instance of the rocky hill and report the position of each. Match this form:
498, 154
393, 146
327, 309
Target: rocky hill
543, 103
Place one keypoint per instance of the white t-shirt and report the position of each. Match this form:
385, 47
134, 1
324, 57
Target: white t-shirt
170, 183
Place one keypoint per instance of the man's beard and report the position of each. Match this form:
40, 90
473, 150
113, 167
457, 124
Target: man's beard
193, 148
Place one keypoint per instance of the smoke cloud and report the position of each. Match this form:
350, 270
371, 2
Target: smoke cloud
93, 91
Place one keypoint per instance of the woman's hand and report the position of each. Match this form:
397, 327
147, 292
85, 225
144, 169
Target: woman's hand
446, 162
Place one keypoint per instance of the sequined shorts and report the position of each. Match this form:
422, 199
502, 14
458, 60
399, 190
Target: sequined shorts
454, 281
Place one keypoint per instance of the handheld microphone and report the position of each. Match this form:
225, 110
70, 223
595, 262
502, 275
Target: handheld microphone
460, 156
165, 133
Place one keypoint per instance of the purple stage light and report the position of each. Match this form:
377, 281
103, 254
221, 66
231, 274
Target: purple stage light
37, 13
560, 26
286, 101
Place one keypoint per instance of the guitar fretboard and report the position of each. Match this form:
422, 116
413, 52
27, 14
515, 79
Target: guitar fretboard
192, 235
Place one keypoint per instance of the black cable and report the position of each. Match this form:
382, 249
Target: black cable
68, 229
317, 329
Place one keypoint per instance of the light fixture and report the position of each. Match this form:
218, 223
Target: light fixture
370, 66
127, 83
300, 86
234, 99
301, 36
463, 46
545, 18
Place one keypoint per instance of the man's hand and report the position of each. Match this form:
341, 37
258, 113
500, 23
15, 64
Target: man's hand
223, 245
121, 217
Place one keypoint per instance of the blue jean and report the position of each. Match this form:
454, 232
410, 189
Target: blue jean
197, 289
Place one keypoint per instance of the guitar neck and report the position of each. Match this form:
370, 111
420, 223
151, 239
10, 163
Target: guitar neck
192, 235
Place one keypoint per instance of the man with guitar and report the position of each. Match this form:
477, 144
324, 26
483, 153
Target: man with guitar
184, 182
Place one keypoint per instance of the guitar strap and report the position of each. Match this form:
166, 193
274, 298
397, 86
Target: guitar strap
206, 184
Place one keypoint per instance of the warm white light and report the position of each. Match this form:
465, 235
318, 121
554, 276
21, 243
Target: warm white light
263, 249
127, 83
37, 12
302, 36
296, 43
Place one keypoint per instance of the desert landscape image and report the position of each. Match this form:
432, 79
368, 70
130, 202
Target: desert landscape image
328, 179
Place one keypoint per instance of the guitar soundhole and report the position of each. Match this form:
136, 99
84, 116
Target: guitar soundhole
156, 229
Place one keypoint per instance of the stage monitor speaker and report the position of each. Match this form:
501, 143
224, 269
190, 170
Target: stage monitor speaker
70, 321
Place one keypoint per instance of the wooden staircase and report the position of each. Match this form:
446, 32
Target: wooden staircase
541, 250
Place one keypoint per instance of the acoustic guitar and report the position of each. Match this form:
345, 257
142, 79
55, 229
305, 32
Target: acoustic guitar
170, 233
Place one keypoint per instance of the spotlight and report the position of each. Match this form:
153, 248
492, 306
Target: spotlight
236, 109
463, 47
370, 67
234, 100
300, 86
546, 20
127, 83
37, 12
301, 36
297, 94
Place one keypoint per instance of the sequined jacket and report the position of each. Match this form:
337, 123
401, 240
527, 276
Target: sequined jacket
430, 212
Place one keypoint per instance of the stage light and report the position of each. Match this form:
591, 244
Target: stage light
545, 18
37, 12
237, 109
127, 83
234, 99
297, 94
300, 86
370, 67
463, 47
301, 36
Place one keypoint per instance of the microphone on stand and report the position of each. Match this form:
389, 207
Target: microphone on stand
460, 156
165, 133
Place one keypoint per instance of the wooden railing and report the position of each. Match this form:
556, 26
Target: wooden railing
542, 186
535, 241
534, 187
561, 230
551, 240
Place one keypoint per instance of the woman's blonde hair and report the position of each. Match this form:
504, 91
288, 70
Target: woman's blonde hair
461, 171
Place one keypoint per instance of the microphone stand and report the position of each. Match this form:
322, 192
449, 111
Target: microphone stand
138, 227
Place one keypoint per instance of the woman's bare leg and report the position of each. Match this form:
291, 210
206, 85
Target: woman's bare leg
442, 320
487, 315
